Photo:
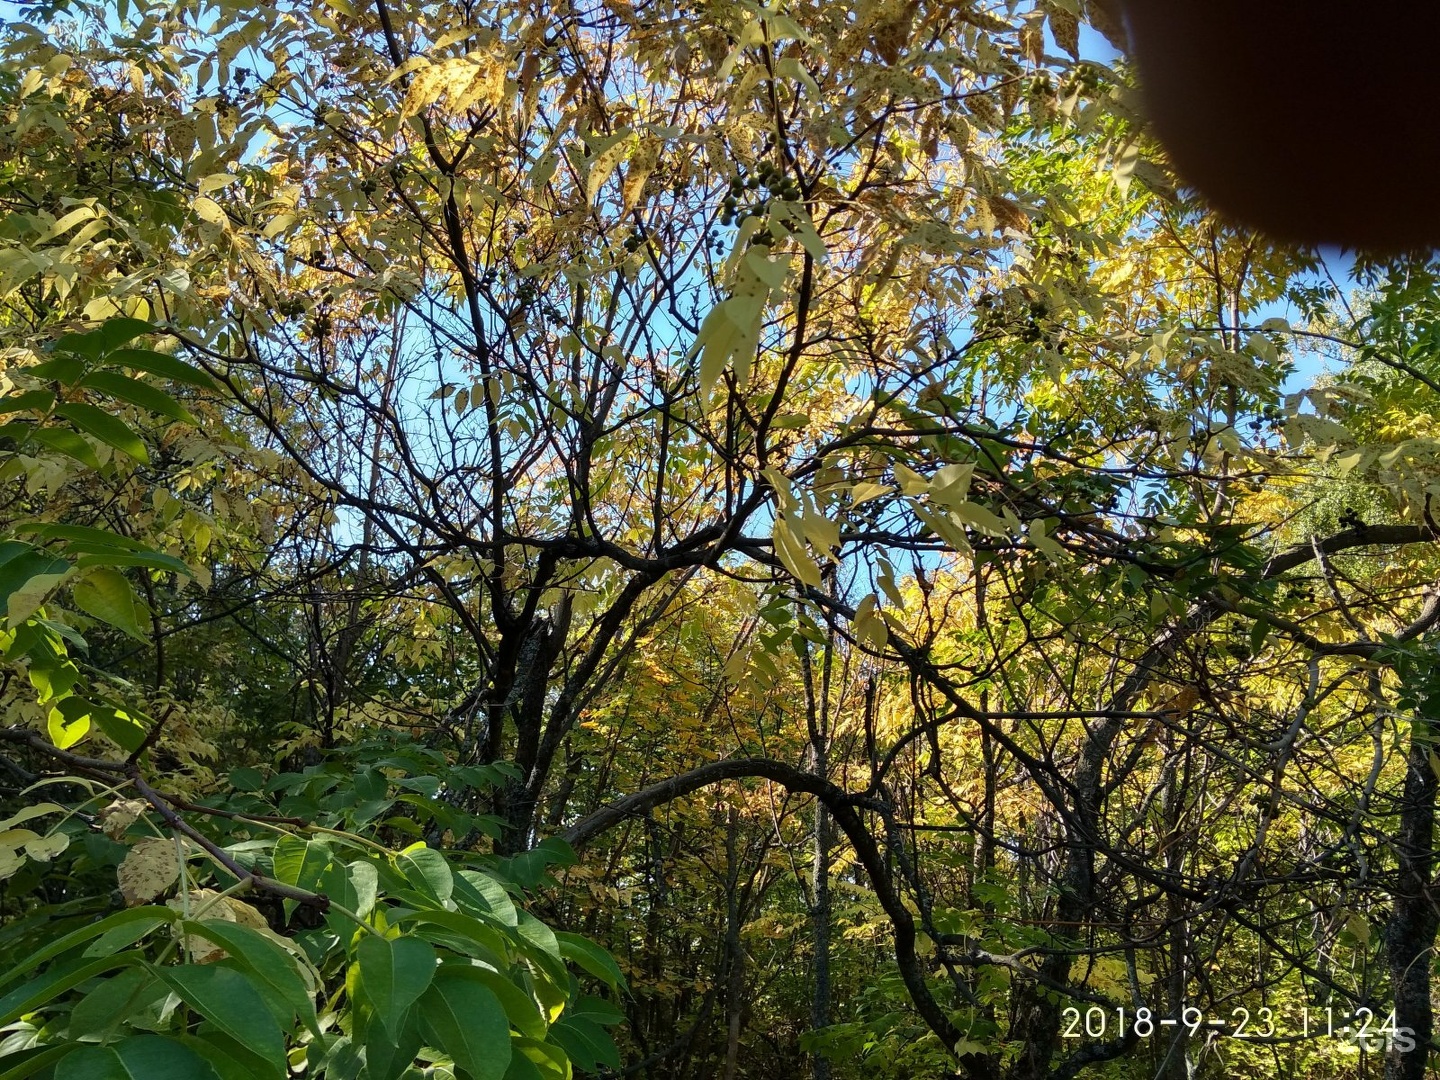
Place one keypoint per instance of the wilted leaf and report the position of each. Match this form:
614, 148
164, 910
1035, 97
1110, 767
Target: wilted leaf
150, 868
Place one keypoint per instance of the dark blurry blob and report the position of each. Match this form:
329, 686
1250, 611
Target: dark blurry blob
1312, 121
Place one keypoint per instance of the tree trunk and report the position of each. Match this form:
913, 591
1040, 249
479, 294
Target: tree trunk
1410, 933
734, 953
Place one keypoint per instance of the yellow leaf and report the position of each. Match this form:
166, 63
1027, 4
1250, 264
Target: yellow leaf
977, 517
911, 482
210, 212
731, 329
819, 530
866, 490
771, 271
214, 182
869, 627
951, 484
1042, 543
793, 554
604, 163
647, 156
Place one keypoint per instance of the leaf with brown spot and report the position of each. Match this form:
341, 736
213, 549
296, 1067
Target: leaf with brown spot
151, 867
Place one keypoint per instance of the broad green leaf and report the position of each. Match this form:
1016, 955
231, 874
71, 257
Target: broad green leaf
21, 565
465, 934
39, 401
142, 1057
277, 972
538, 1060
587, 1043
150, 916
300, 862
79, 537
485, 895
110, 335
427, 871
59, 980
125, 730
107, 1006
465, 1019
103, 426
68, 721
34, 1062
153, 559
230, 1001
27, 599
138, 393
387, 1056
155, 363
596, 1010
66, 369
394, 972
127, 933
521, 1009
105, 594
591, 958
68, 442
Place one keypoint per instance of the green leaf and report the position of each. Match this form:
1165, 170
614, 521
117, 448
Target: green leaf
463, 1018
33, 1062
124, 729
588, 1044
79, 537
230, 1001
155, 363
26, 600
109, 1004
69, 721
21, 565
127, 933
275, 969
387, 1057
393, 974
32, 995
596, 1010
536, 1060
142, 1057
138, 393
70, 443
246, 779
105, 594
38, 401
591, 958
484, 895
427, 871
151, 916
103, 426
66, 369
153, 559
300, 862
109, 335
471, 936
521, 1009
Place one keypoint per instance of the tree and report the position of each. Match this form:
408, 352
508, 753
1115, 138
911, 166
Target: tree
557, 384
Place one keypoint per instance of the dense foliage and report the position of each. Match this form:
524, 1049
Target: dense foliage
689, 540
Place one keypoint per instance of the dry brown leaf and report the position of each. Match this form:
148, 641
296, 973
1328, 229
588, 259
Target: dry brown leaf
209, 904
120, 815
1066, 28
